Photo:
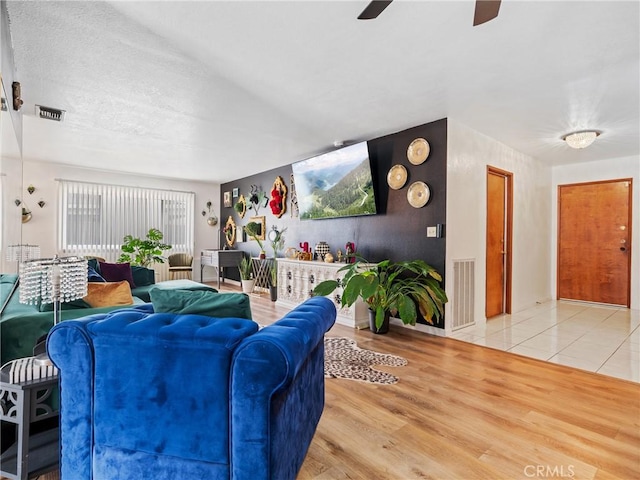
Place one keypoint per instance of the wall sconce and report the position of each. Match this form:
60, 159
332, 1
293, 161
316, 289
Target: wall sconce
212, 220
26, 215
31, 189
581, 139
41, 203
17, 95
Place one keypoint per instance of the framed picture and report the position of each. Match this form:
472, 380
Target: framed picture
227, 199
236, 192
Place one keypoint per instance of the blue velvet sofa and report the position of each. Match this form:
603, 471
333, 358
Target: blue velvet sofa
169, 396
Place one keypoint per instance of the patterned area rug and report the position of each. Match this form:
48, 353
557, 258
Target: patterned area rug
344, 359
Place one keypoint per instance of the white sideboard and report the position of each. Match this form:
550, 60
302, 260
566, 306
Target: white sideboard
298, 278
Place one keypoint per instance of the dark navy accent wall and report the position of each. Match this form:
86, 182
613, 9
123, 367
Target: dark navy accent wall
397, 232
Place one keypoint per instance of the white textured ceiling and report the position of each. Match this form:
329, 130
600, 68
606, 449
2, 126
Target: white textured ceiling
221, 90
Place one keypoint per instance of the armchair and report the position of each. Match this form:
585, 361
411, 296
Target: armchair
166, 396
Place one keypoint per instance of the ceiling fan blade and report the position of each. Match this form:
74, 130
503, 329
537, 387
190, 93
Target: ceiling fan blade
486, 10
374, 9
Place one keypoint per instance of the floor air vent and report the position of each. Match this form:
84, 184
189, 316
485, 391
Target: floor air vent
463, 293
48, 113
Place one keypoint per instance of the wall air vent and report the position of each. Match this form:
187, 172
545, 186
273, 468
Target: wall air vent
49, 113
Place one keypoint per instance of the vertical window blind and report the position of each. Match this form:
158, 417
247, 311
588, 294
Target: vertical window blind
93, 218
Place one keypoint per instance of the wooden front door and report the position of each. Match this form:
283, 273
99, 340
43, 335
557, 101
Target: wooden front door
498, 254
594, 242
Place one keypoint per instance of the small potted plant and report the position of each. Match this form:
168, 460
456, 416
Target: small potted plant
144, 252
391, 288
276, 239
246, 274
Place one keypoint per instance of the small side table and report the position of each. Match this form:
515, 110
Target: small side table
25, 393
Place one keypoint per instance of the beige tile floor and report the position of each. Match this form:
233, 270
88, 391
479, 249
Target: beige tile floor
596, 338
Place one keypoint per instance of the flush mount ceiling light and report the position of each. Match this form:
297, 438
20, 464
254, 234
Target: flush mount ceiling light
581, 139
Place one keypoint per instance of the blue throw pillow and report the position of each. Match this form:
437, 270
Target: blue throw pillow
93, 276
93, 263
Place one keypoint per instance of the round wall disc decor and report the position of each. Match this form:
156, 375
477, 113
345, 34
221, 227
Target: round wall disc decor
418, 194
397, 177
418, 151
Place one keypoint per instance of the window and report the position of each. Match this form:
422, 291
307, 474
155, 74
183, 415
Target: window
94, 218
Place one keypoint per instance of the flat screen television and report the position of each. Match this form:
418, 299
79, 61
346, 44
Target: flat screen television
335, 184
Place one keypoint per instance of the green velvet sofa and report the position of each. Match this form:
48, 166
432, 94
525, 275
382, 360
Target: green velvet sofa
21, 324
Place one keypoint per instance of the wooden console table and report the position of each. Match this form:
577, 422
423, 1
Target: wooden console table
219, 259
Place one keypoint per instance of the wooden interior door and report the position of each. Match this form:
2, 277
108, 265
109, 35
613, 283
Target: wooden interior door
498, 248
594, 242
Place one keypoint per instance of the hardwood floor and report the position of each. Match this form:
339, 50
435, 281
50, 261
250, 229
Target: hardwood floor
462, 411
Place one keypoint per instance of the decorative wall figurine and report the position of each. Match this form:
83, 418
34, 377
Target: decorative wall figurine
278, 203
257, 199
294, 198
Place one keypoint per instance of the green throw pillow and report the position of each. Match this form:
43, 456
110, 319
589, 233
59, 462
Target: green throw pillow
143, 276
201, 302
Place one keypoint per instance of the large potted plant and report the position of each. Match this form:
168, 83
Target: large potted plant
391, 288
144, 252
246, 274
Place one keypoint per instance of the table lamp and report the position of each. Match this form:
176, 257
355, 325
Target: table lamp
52, 280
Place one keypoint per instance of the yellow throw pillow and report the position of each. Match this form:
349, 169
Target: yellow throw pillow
108, 294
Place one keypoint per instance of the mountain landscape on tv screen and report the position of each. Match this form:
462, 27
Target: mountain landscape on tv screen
336, 194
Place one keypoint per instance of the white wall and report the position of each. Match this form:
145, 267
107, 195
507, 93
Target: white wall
42, 229
468, 155
628, 167
10, 214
